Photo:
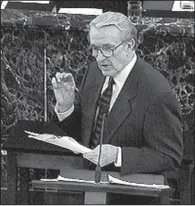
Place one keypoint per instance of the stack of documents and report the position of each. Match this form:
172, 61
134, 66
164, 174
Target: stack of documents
114, 180
111, 180
64, 179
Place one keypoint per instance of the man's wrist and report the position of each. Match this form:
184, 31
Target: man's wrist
63, 115
61, 108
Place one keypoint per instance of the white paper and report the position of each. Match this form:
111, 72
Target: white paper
84, 11
111, 180
65, 179
60, 178
61, 141
49, 180
183, 6
115, 180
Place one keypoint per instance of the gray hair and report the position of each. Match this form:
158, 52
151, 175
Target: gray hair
122, 22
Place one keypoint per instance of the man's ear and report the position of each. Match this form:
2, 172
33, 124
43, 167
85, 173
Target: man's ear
131, 44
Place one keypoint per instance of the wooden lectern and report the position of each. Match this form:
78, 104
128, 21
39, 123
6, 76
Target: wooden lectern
25, 153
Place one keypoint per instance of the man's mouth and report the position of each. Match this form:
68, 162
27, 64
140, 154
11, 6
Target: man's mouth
105, 65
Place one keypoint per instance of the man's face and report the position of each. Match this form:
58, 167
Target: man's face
108, 38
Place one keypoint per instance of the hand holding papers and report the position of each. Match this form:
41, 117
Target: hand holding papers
62, 141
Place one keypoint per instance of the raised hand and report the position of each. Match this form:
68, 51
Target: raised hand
64, 90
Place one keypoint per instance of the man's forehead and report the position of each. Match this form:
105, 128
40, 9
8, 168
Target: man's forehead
111, 29
111, 34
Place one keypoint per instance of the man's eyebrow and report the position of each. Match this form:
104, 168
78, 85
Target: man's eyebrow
108, 45
103, 45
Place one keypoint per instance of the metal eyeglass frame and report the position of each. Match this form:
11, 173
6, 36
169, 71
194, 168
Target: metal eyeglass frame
110, 50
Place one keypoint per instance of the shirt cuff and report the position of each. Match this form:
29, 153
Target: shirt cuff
64, 115
118, 158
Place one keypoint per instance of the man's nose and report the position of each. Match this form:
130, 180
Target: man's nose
100, 56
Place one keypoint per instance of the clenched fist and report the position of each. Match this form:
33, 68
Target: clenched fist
64, 90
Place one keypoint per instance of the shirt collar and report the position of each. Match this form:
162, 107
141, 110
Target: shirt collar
121, 77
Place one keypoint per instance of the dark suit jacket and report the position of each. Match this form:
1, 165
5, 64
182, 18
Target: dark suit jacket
145, 119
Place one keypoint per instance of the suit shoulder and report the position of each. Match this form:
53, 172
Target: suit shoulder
93, 64
152, 78
93, 69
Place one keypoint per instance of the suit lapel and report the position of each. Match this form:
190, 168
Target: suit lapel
122, 106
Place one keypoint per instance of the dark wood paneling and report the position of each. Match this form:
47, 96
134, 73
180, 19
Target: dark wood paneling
43, 198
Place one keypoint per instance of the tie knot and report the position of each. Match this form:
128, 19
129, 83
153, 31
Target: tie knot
111, 81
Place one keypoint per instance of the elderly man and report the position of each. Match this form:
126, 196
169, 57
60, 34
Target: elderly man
142, 130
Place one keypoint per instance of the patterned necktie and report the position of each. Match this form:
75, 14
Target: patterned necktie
104, 105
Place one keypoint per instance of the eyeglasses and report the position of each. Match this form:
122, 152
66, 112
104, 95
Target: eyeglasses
105, 50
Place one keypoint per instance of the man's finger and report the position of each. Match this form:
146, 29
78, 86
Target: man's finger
69, 78
68, 86
54, 82
59, 76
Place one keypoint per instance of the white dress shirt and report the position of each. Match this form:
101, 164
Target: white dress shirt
119, 80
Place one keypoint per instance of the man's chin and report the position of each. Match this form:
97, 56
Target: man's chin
106, 70
106, 73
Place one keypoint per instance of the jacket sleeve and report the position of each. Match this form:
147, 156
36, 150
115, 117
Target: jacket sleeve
162, 132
